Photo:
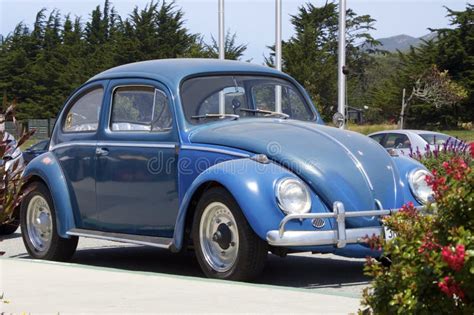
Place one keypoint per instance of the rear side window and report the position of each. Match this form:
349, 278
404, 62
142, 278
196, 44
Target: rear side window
433, 138
397, 141
140, 108
83, 115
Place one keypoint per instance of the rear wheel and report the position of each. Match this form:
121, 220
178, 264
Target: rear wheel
226, 246
38, 227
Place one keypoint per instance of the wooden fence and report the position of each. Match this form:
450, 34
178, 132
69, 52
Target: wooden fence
44, 127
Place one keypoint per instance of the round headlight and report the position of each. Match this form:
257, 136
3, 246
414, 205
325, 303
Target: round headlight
293, 196
418, 186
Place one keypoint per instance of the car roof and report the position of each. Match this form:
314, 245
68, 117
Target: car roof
406, 131
174, 70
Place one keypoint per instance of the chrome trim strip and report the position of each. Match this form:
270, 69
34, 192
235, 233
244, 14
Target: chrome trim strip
72, 144
136, 144
160, 242
114, 144
208, 149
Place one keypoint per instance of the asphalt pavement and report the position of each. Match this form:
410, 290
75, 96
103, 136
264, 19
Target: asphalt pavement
115, 277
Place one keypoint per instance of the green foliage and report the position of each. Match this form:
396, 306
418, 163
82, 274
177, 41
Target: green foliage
453, 53
432, 269
232, 50
40, 67
310, 55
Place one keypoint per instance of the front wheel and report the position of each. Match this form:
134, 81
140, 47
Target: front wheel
226, 246
38, 227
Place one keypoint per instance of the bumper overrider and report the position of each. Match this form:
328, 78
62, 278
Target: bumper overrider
340, 236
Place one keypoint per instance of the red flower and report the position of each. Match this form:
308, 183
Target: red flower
428, 244
449, 287
454, 258
457, 168
409, 209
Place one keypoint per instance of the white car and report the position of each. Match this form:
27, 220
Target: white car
406, 141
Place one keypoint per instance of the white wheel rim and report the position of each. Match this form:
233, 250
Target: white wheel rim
219, 237
39, 223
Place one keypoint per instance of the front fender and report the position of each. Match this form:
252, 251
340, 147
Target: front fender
404, 166
47, 168
252, 185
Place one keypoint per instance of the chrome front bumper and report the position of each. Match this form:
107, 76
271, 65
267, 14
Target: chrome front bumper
339, 236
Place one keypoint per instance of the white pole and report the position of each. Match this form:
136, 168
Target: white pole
278, 52
221, 30
402, 114
221, 51
341, 78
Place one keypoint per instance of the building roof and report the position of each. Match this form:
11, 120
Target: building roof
174, 70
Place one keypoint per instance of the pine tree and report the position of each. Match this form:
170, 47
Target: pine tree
311, 54
40, 67
232, 50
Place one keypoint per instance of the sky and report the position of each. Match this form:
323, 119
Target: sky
253, 21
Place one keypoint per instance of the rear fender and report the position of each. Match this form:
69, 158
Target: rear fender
47, 168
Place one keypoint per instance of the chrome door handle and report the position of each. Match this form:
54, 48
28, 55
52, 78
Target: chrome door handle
101, 151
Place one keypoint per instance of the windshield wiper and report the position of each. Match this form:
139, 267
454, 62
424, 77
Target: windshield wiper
268, 113
220, 116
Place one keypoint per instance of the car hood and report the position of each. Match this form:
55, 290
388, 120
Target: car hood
338, 165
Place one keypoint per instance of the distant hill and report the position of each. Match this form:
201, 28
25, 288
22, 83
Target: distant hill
402, 42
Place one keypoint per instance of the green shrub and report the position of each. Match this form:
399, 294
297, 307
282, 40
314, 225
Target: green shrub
432, 270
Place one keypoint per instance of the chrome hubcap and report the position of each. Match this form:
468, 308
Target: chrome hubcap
39, 223
219, 237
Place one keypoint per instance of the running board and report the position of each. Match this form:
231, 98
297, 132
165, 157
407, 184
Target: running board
161, 242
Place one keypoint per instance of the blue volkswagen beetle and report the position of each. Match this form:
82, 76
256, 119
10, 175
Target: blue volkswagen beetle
227, 158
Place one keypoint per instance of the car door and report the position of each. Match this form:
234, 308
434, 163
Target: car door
73, 143
137, 160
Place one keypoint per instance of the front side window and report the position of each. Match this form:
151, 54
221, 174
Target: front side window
83, 115
242, 96
397, 141
378, 138
140, 108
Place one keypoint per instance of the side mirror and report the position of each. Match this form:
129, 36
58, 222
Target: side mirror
338, 119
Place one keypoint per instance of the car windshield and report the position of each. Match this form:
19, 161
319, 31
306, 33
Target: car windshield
435, 138
210, 98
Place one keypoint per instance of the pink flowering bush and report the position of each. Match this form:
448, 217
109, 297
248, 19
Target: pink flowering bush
432, 270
